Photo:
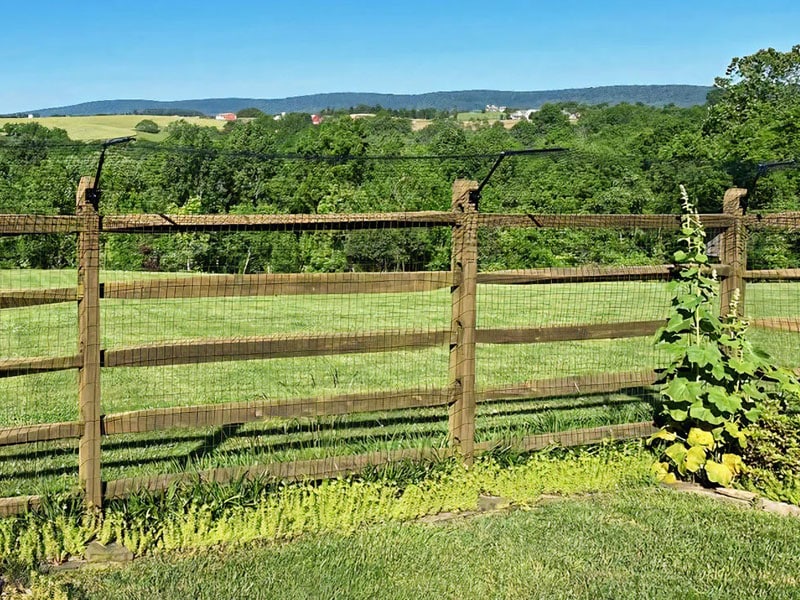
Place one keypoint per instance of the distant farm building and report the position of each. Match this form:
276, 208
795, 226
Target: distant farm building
226, 117
519, 115
491, 108
316, 119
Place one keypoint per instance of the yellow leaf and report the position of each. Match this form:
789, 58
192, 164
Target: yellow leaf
698, 437
719, 473
668, 478
662, 434
733, 462
695, 458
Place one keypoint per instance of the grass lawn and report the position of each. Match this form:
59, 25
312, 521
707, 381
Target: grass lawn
639, 543
51, 331
101, 127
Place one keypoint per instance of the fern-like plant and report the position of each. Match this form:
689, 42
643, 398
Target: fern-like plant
716, 382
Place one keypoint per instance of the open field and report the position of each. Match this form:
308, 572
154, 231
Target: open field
478, 116
51, 330
637, 543
102, 127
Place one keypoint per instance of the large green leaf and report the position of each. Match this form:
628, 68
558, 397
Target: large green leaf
680, 256
742, 367
678, 391
725, 402
678, 414
701, 413
703, 354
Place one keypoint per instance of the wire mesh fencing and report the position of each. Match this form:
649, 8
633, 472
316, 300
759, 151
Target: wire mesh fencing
195, 341
772, 295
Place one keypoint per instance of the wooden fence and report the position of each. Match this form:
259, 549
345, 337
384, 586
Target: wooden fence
461, 396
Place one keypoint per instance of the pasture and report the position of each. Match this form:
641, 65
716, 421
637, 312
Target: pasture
51, 330
102, 127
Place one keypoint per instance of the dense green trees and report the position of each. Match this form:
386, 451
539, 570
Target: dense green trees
623, 158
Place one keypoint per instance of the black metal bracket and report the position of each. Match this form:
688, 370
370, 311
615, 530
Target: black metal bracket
767, 167
93, 193
475, 195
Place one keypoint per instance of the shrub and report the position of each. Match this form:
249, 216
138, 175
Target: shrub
249, 113
147, 126
773, 455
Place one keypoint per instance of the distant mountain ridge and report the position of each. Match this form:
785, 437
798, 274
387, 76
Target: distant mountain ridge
656, 95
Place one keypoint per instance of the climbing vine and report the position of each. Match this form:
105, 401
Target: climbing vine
717, 383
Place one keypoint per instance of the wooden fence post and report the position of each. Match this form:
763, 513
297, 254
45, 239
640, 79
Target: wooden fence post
463, 323
89, 346
733, 250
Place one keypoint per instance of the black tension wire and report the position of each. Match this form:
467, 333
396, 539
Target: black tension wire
475, 195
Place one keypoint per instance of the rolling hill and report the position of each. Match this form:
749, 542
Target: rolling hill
657, 95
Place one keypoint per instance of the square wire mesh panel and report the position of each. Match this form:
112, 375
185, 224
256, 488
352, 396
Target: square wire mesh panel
565, 340
266, 349
772, 287
38, 334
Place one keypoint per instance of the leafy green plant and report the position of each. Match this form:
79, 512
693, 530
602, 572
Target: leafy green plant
201, 515
773, 454
717, 382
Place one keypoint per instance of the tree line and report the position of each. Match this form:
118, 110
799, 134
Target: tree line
622, 159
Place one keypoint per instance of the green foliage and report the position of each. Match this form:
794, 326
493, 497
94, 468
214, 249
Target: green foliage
773, 454
635, 543
755, 117
624, 159
205, 515
147, 126
249, 113
717, 383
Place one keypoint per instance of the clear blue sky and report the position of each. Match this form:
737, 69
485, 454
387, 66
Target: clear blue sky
63, 52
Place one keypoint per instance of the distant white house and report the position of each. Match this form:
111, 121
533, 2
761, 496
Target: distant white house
226, 117
492, 108
519, 115
30, 116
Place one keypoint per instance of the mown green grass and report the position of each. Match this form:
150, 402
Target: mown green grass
52, 331
102, 127
641, 543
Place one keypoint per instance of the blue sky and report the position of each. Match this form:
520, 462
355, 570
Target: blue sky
59, 53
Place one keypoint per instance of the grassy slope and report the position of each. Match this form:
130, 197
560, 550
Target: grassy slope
642, 543
101, 127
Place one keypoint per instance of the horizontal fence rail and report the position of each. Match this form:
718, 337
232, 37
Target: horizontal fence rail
11, 367
278, 346
338, 221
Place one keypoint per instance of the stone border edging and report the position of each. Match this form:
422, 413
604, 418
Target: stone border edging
740, 497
